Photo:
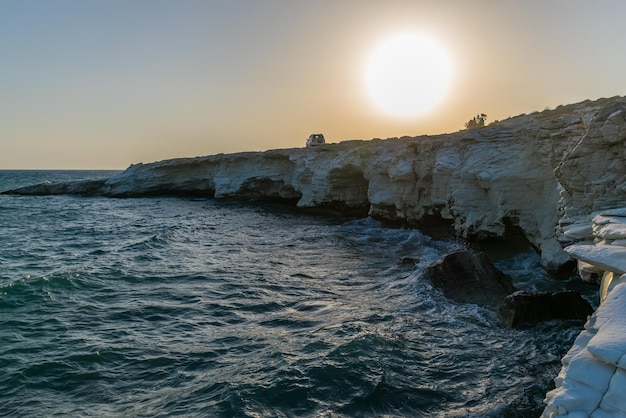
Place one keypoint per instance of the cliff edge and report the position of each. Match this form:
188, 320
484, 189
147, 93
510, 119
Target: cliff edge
536, 175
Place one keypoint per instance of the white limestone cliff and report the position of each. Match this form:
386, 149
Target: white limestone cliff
592, 381
483, 183
593, 174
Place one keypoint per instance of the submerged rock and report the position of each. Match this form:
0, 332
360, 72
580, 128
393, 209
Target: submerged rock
470, 278
83, 187
527, 308
407, 261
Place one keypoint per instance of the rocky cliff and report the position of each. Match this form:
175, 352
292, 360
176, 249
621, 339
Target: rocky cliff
592, 380
525, 175
593, 173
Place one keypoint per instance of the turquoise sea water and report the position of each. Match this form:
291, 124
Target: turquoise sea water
160, 307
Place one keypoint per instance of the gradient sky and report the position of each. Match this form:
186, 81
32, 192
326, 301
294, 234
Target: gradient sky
108, 83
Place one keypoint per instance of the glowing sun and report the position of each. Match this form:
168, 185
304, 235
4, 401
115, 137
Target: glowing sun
407, 74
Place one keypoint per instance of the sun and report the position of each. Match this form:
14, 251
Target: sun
408, 74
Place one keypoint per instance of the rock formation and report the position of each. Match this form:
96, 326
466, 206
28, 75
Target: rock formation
466, 277
593, 174
470, 278
592, 381
482, 183
527, 308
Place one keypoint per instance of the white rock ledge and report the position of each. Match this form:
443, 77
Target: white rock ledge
592, 381
604, 257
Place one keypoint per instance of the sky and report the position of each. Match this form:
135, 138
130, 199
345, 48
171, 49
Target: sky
103, 84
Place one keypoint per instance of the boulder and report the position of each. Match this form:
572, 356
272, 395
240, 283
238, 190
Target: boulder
470, 278
527, 308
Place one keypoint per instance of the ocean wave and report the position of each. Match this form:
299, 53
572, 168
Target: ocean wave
162, 307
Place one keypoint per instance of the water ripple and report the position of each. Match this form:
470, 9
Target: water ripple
166, 307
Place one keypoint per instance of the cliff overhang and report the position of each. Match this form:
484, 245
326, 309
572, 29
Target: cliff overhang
532, 177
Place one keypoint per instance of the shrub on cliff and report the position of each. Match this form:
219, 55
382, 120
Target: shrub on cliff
477, 121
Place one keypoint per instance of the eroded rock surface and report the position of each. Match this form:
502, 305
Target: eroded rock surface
592, 381
592, 174
479, 183
470, 278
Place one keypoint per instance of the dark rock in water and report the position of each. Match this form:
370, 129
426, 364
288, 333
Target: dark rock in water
81, 187
407, 261
470, 278
527, 308
564, 271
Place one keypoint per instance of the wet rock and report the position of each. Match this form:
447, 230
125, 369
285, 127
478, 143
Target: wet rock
470, 278
80, 187
527, 308
407, 261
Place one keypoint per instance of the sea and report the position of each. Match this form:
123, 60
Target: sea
193, 307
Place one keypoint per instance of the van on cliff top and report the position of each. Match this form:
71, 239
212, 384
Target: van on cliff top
314, 140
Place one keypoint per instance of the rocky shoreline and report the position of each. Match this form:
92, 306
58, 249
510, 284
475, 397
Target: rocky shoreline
555, 179
520, 177
592, 381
